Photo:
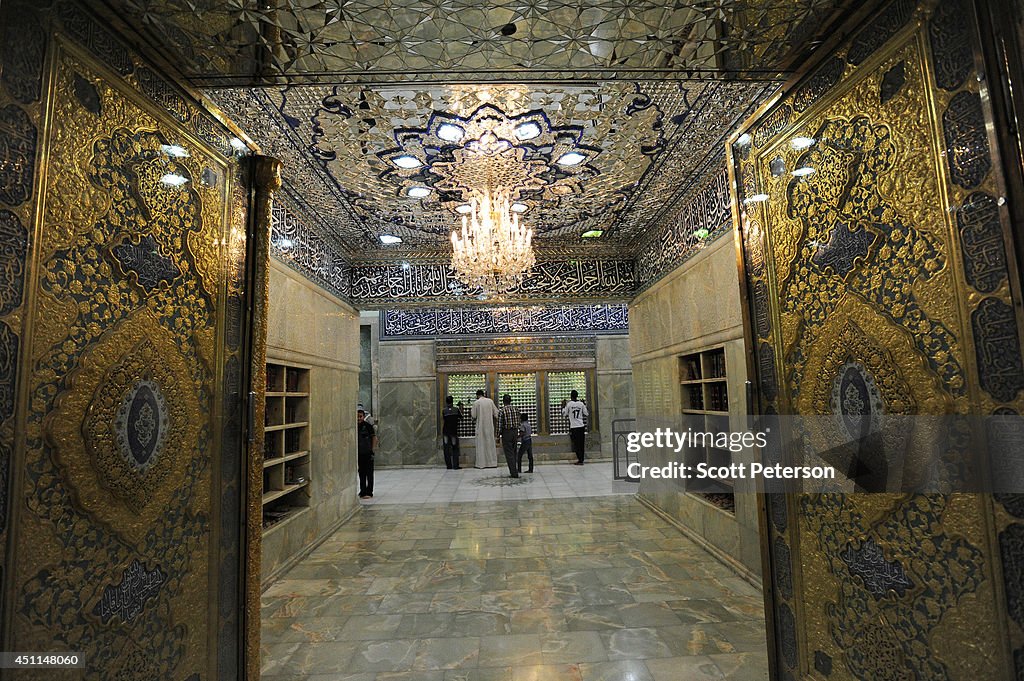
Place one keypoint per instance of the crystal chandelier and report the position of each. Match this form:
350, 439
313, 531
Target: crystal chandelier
492, 251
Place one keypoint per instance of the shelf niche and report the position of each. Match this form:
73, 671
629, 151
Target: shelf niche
286, 469
705, 405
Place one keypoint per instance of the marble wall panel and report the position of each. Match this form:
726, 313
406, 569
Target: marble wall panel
407, 423
308, 326
406, 359
695, 307
614, 388
613, 353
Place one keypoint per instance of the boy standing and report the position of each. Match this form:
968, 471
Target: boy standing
525, 441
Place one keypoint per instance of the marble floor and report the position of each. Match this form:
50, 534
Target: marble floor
548, 481
562, 577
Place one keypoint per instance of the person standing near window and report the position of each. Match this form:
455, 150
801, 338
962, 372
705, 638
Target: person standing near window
576, 410
366, 436
485, 412
508, 426
525, 443
450, 417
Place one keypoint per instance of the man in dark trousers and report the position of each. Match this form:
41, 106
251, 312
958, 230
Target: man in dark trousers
450, 417
576, 411
508, 428
366, 436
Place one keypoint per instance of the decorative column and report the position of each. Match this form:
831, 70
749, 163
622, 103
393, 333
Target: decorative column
267, 180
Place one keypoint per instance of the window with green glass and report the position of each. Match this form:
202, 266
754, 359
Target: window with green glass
560, 387
462, 388
522, 387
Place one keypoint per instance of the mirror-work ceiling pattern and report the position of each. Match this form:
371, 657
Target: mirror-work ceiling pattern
637, 144
237, 42
598, 118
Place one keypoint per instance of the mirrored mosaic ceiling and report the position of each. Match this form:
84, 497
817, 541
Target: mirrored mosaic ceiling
638, 143
236, 42
598, 117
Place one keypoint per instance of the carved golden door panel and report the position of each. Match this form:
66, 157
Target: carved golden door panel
880, 281
124, 336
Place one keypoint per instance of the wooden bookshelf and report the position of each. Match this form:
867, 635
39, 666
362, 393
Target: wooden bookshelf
286, 469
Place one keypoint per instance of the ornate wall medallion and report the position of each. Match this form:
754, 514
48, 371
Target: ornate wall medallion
138, 414
855, 400
141, 425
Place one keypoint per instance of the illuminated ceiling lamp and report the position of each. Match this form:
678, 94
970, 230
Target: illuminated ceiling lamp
492, 251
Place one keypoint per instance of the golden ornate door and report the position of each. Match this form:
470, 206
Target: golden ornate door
881, 284
124, 360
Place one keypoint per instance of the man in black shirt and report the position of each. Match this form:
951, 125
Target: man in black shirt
450, 417
366, 437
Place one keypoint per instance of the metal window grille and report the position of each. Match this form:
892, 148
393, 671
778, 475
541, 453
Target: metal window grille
463, 387
523, 390
560, 385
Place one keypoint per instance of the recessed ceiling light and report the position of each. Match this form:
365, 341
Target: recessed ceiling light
406, 161
450, 132
756, 198
464, 209
519, 207
418, 192
175, 150
592, 233
527, 131
800, 143
803, 172
571, 158
174, 179
388, 239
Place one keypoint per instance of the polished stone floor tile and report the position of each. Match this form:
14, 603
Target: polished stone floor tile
617, 670
744, 667
693, 668
479, 674
384, 656
572, 582
573, 646
547, 672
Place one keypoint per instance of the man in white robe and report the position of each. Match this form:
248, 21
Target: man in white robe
485, 412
